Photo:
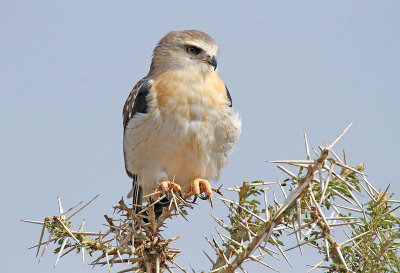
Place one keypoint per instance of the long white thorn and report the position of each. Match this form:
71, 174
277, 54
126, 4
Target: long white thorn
298, 205
84, 206
81, 229
266, 205
61, 250
306, 145
261, 262
354, 238
316, 266
340, 136
287, 172
281, 251
60, 208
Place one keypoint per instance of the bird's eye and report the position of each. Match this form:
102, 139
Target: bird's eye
193, 50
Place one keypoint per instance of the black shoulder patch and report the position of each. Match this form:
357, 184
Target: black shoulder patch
136, 101
140, 105
229, 96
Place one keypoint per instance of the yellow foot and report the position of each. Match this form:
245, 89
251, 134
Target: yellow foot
164, 187
198, 186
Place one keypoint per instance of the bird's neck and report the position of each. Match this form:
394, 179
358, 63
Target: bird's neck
188, 86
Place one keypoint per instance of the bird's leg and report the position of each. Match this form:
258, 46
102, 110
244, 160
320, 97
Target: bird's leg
164, 187
198, 186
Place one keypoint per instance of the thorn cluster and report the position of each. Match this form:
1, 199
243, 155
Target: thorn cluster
323, 202
329, 206
133, 239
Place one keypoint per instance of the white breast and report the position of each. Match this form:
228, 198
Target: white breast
182, 137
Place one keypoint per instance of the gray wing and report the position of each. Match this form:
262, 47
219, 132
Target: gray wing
229, 96
136, 101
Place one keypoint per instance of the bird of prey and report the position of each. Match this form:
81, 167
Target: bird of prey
178, 121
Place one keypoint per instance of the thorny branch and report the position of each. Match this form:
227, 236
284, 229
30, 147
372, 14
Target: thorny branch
136, 237
321, 191
321, 204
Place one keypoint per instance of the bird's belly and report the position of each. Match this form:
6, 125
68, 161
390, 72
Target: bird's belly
180, 145
190, 149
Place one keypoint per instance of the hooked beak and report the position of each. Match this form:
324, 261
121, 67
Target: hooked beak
212, 62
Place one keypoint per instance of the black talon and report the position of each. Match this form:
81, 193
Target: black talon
164, 201
194, 199
180, 194
204, 197
166, 194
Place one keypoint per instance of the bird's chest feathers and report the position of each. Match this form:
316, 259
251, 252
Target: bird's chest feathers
190, 97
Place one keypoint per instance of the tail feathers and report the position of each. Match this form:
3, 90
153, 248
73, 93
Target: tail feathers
136, 193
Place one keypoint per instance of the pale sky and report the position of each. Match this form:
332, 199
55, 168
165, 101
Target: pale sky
66, 68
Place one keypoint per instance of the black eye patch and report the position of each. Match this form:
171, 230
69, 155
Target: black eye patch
194, 50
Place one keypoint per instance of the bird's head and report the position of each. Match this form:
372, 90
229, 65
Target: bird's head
190, 50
